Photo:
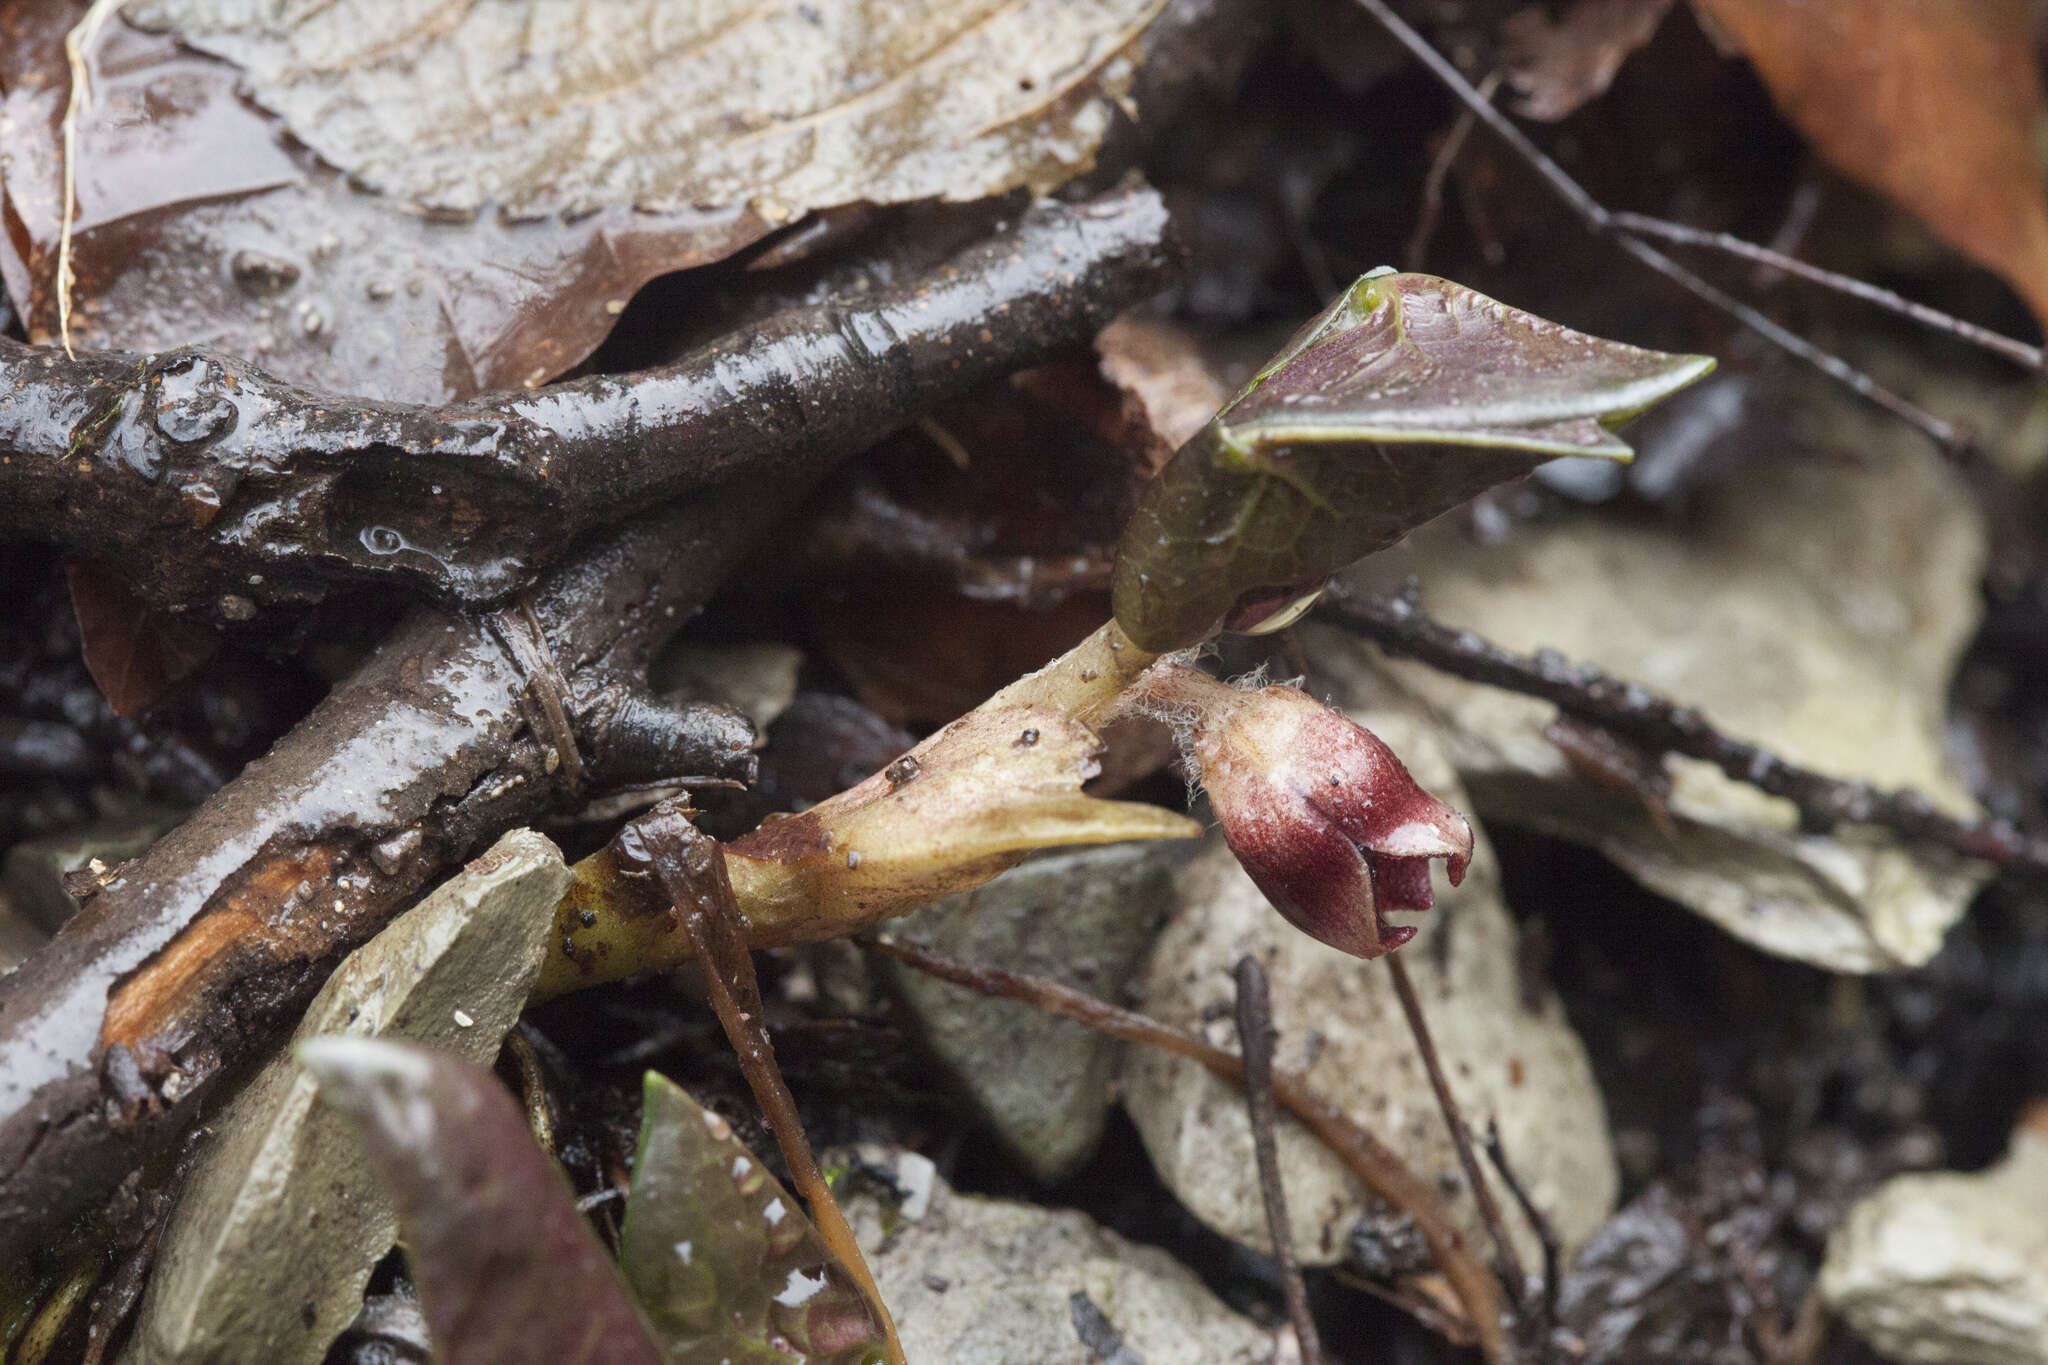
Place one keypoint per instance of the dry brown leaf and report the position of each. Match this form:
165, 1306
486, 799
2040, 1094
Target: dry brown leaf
134, 652
1934, 104
554, 106
1557, 66
202, 219
1169, 390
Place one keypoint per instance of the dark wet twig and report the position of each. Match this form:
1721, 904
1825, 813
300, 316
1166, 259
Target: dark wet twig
1546, 1231
691, 868
1376, 1165
1396, 623
1255, 1042
215, 488
2029, 357
1601, 221
1792, 230
113, 1036
1461, 1133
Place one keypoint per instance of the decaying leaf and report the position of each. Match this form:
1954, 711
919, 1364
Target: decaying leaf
966, 803
723, 1261
1816, 607
134, 652
1935, 105
244, 1271
200, 222
1404, 398
507, 1269
1169, 393
667, 105
1558, 65
620, 142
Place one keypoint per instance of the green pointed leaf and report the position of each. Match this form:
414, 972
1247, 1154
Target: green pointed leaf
723, 1261
1403, 399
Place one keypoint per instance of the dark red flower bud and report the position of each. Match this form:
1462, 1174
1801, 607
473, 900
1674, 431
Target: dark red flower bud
1319, 811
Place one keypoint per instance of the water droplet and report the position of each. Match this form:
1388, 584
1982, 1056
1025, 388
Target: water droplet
801, 1287
382, 540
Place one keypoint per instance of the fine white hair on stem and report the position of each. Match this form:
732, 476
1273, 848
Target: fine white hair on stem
1179, 696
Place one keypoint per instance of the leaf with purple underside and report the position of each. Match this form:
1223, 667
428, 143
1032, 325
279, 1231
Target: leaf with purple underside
1403, 399
507, 1270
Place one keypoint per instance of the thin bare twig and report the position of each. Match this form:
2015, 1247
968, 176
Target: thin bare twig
1799, 215
1546, 1231
1461, 1135
1602, 222
1255, 1041
1376, 1165
1396, 623
2030, 357
1439, 171
691, 868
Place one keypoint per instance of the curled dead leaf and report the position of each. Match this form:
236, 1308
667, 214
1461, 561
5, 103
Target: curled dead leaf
721, 1259
1558, 65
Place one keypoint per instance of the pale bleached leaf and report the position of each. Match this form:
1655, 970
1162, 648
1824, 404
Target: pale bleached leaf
568, 106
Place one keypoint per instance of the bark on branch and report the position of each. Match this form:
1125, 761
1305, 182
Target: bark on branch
180, 969
217, 489
1397, 623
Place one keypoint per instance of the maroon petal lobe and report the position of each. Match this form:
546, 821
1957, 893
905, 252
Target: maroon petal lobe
1400, 883
1313, 875
1370, 794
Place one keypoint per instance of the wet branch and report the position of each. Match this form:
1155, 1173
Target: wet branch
1396, 623
217, 489
186, 964
2018, 352
1377, 1166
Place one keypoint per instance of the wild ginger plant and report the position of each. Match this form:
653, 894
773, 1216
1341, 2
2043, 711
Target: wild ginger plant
1404, 398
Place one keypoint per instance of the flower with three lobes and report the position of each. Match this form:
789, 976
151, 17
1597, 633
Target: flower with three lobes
1322, 815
